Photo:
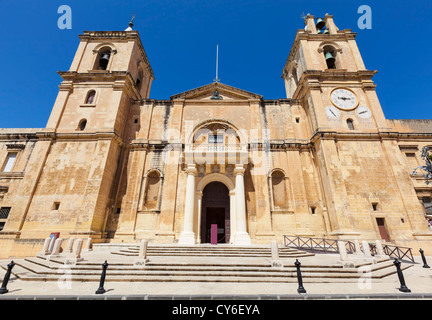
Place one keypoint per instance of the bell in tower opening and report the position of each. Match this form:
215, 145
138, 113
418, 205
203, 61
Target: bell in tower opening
104, 59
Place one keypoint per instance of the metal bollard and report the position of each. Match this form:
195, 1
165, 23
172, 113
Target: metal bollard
3, 288
425, 265
299, 278
101, 289
403, 287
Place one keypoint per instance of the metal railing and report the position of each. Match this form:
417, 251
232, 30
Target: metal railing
401, 253
330, 245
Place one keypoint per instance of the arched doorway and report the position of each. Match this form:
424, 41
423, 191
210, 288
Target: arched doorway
215, 209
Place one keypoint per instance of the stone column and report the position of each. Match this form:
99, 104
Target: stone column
366, 249
78, 248
275, 261
56, 250
241, 236
45, 250
344, 260
69, 248
358, 250
232, 215
188, 236
89, 245
367, 252
75, 256
380, 250
142, 257
198, 195
342, 251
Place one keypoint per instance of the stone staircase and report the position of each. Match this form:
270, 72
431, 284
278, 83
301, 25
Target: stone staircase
201, 264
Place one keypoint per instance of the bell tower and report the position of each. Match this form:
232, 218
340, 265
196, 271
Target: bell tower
326, 72
326, 79
110, 71
95, 116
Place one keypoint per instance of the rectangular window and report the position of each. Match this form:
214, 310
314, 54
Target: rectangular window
10, 160
55, 206
427, 205
2, 224
216, 138
4, 212
412, 160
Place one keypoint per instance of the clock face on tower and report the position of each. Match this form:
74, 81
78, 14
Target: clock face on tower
364, 112
332, 112
344, 99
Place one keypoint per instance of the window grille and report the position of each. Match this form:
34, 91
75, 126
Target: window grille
4, 212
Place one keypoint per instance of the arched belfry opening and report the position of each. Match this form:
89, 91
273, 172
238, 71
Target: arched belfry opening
215, 210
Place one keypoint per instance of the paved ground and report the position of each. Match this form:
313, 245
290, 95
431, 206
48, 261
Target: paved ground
417, 278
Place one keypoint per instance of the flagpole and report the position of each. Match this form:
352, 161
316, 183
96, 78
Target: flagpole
217, 63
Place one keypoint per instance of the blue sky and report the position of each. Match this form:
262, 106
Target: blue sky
180, 39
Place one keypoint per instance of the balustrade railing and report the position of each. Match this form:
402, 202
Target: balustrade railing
216, 147
330, 245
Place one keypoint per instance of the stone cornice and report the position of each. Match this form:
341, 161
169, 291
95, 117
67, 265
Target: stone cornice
216, 86
316, 79
120, 80
95, 135
275, 144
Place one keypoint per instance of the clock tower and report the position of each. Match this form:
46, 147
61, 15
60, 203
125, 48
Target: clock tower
326, 79
326, 73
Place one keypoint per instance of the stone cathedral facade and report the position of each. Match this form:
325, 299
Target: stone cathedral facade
115, 165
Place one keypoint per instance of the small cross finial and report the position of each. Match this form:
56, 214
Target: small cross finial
131, 23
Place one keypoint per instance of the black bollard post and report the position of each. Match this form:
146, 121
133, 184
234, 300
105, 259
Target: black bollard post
299, 278
425, 265
403, 287
3, 288
101, 289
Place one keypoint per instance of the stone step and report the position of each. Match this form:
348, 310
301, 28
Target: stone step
167, 264
190, 267
211, 251
32, 269
310, 278
210, 254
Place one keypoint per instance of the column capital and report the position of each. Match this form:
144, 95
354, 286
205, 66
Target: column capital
239, 169
191, 169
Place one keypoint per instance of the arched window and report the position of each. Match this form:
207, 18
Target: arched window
151, 197
294, 75
350, 124
90, 97
279, 189
139, 80
82, 124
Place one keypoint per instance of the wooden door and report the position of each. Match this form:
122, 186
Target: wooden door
215, 210
382, 229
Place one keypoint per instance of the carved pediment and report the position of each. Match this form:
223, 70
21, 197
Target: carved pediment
216, 92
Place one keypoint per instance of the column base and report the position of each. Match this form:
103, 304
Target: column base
140, 262
187, 238
241, 239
